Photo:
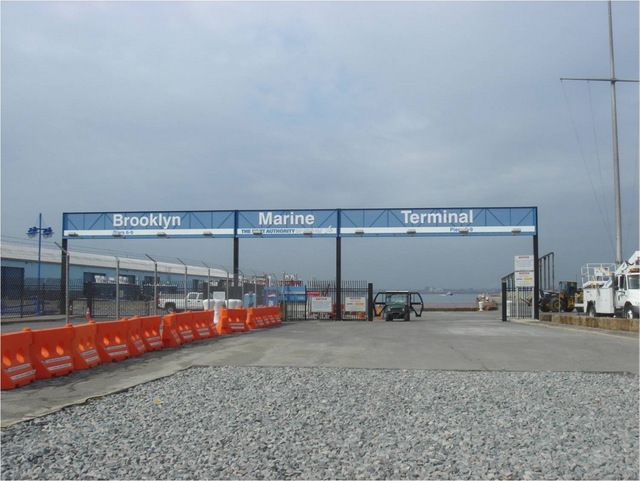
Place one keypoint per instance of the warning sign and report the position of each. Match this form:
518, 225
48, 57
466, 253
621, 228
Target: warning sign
355, 304
524, 278
321, 304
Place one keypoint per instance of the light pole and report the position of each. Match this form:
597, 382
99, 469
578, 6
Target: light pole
39, 231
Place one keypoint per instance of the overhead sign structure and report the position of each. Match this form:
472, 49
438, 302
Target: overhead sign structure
494, 221
332, 223
148, 224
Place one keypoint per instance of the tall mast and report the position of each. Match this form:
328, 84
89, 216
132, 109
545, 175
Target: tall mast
614, 144
614, 136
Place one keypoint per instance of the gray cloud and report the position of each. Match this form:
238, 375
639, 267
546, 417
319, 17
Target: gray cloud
198, 105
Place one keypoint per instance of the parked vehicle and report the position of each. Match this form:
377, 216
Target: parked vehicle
564, 299
398, 304
175, 302
611, 290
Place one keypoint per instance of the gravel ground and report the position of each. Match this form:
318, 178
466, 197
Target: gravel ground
324, 423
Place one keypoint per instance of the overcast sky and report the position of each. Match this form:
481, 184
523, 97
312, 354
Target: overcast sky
134, 106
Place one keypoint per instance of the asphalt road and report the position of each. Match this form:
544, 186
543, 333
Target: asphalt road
438, 341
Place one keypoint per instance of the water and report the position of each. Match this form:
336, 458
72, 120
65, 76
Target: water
456, 299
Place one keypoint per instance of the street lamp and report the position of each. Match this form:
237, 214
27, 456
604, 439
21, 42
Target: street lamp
39, 231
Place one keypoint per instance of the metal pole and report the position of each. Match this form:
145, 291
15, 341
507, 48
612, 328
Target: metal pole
65, 256
504, 300
370, 303
236, 260
39, 252
536, 278
614, 141
63, 273
155, 284
255, 290
338, 279
117, 287
227, 286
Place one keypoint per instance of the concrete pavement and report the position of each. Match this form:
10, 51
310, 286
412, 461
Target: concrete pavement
438, 341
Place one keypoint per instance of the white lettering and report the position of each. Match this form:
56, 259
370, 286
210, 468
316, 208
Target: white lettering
291, 218
405, 213
265, 218
150, 220
434, 218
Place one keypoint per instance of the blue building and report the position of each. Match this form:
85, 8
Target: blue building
20, 262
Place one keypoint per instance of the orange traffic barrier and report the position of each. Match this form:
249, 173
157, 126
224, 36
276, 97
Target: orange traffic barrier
151, 332
51, 351
261, 316
85, 352
277, 316
238, 320
111, 340
268, 317
203, 324
252, 317
184, 325
17, 369
134, 337
222, 326
170, 336
232, 320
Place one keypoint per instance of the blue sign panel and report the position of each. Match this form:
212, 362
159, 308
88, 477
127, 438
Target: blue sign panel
287, 223
438, 222
148, 224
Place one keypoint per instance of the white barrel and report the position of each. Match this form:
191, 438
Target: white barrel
509, 308
480, 305
235, 303
217, 304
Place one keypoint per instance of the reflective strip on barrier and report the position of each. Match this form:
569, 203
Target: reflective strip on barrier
30, 372
59, 366
17, 368
56, 359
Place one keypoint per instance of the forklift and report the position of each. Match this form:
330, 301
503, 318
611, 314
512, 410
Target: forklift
564, 299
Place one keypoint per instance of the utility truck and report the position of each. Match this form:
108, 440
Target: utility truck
612, 290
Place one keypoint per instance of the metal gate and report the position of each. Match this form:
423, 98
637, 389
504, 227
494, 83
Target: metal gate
519, 303
297, 300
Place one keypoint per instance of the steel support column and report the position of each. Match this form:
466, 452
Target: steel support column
338, 279
370, 302
236, 260
536, 279
63, 276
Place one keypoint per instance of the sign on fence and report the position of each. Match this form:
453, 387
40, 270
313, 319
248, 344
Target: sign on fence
355, 304
321, 304
524, 278
523, 263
